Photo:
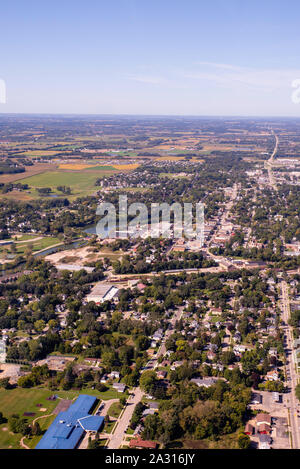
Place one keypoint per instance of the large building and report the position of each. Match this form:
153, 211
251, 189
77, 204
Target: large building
101, 292
70, 426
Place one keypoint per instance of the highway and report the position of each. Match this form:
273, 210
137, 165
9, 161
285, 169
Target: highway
291, 373
270, 162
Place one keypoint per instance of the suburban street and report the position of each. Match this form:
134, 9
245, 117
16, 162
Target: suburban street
116, 439
292, 376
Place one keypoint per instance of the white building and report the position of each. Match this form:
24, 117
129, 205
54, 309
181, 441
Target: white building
103, 292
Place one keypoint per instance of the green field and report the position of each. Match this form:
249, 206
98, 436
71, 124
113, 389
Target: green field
38, 245
81, 183
115, 409
44, 424
25, 237
18, 401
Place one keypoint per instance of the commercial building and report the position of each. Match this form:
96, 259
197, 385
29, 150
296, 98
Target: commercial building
101, 292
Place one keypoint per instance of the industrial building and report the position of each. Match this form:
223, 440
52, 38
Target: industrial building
101, 292
69, 427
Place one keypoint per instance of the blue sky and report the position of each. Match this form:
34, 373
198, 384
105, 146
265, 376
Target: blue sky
191, 57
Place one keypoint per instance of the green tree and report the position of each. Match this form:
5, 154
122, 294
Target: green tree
244, 441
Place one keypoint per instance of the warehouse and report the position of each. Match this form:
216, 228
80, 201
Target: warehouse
101, 292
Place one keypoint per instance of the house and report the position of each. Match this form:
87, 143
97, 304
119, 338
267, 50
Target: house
263, 418
153, 405
119, 387
206, 382
218, 366
239, 348
272, 376
138, 430
158, 335
264, 429
142, 444
176, 365
249, 429
211, 355
114, 375
178, 248
161, 374
148, 412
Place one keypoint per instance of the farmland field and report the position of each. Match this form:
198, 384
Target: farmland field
79, 167
30, 171
81, 183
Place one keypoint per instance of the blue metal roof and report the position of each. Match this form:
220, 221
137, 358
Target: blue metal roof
92, 423
83, 404
65, 432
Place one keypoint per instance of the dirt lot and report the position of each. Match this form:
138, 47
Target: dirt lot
8, 370
79, 256
62, 406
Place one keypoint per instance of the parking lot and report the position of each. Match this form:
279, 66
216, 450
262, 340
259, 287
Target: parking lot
279, 413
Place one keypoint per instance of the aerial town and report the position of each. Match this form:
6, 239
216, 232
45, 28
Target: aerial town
140, 342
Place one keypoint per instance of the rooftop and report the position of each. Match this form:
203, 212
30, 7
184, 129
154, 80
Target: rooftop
68, 427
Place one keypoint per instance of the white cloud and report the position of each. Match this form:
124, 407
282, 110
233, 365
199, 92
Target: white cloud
227, 74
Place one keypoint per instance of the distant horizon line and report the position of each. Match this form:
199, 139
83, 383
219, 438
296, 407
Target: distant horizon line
201, 116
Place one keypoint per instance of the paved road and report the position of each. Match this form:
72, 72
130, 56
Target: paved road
270, 162
117, 437
292, 377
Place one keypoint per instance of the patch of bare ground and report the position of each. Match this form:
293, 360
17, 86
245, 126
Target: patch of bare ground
69, 260
30, 171
195, 444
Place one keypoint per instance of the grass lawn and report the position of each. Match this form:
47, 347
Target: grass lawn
38, 245
115, 410
106, 395
26, 237
44, 423
108, 427
18, 401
